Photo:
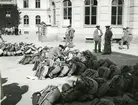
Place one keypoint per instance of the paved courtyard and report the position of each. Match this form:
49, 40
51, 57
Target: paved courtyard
13, 73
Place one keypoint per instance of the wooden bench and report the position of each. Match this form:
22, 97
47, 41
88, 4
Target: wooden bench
89, 40
116, 40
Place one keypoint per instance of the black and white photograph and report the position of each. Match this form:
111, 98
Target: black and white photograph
68, 52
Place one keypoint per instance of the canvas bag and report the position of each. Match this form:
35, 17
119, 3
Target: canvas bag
47, 96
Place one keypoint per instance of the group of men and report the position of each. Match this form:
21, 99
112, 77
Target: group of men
97, 35
69, 35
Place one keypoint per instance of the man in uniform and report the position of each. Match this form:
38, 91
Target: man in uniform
69, 36
108, 37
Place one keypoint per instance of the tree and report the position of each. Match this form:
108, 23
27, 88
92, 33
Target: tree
9, 16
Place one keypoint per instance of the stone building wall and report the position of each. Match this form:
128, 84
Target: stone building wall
130, 16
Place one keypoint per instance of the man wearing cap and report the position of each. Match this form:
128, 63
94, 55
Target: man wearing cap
108, 37
97, 38
69, 36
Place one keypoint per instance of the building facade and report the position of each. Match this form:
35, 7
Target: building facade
83, 15
32, 13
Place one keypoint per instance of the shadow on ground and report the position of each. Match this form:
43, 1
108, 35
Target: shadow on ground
4, 80
14, 93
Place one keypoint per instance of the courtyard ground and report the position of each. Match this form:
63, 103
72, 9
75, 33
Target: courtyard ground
20, 89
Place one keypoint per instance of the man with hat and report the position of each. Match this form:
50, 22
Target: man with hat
107, 38
97, 38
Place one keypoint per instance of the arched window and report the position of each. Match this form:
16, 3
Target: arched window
26, 20
37, 3
38, 19
117, 12
67, 11
90, 12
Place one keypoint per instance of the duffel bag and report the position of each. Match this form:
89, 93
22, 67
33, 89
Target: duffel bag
35, 98
64, 71
49, 95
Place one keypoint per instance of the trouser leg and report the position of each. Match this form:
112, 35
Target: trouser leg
95, 46
99, 46
121, 45
127, 45
71, 41
66, 41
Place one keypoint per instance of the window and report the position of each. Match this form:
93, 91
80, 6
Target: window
67, 5
37, 4
38, 19
26, 20
8, 13
117, 12
25, 3
90, 12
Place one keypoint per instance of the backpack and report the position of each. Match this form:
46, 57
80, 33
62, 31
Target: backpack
47, 96
35, 97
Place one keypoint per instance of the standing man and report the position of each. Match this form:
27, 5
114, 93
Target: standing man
126, 39
130, 37
69, 36
97, 38
108, 37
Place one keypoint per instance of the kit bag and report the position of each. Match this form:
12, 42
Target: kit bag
47, 96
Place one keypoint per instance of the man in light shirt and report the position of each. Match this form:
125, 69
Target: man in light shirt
97, 38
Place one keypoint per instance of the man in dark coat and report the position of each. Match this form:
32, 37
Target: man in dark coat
108, 37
